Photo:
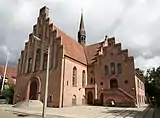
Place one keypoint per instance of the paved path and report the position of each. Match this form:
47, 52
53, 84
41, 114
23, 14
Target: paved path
83, 112
157, 113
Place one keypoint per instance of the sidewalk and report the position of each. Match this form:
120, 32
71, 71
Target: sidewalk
76, 111
34, 113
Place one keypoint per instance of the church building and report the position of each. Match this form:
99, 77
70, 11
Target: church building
79, 74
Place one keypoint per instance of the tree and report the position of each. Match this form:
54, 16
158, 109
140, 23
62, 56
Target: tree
152, 84
8, 93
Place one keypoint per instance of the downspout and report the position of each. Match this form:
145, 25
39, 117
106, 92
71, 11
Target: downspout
63, 81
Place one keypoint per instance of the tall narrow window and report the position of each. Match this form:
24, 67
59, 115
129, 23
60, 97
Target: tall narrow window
106, 70
29, 65
74, 77
91, 81
37, 61
83, 78
112, 68
45, 56
119, 67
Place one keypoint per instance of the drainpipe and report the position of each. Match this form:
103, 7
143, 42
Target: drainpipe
63, 82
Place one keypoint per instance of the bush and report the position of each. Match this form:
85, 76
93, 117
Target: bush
8, 93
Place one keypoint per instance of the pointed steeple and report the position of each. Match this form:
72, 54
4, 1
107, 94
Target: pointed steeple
81, 32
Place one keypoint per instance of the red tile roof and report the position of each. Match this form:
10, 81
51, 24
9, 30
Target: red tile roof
72, 48
11, 73
91, 51
76, 51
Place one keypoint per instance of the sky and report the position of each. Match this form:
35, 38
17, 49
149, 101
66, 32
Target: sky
134, 23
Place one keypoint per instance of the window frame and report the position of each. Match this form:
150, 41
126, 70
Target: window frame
112, 68
83, 78
74, 77
119, 68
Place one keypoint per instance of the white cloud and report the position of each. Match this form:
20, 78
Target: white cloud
135, 23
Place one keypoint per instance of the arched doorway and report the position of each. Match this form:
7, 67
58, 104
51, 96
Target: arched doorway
33, 91
83, 100
113, 83
74, 100
90, 98
101, 98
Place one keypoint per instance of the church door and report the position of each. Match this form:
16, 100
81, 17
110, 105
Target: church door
113, 83
90, 98
33, 91
101, 98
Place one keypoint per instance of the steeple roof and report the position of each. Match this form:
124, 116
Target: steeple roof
81, 32
81, 27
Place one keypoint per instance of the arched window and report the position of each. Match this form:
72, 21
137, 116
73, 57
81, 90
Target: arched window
113, 83
74, 77
29, 65
119, 68
37, 61
45, 56
91, 81
112, 68
83, 78
106, 70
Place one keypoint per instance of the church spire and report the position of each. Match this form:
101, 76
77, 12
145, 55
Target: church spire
81, 32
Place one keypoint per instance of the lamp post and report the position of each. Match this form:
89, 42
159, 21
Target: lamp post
46, 83
46, 87
4, 76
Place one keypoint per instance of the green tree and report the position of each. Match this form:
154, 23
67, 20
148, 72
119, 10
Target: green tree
8, 93
152, 84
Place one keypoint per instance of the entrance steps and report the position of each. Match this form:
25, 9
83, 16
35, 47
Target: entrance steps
29, 104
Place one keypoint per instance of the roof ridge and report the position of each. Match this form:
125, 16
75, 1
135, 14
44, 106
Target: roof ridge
67, 35
94, 44
72, 47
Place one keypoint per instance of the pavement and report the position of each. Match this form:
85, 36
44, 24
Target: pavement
7, 111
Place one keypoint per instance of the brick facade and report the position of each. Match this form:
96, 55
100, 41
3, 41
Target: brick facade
78, 74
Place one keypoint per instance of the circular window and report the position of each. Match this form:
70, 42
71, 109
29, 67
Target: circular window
126, 81
101, 83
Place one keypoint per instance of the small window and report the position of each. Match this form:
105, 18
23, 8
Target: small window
106, 70
126, 81
119, 67
91, 81
101, 83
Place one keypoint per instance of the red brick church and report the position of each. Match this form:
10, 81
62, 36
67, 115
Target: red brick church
79, 74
